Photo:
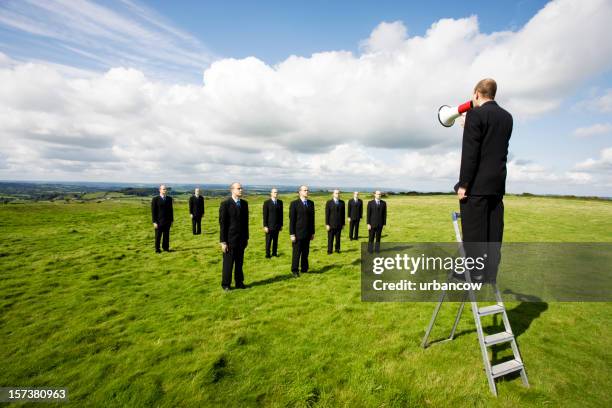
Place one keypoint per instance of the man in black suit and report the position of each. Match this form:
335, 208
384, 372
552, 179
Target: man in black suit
272, 221
334, 221
163, 216
355, 214
301, 230
482, 178
234, 236
377, 219
196, 210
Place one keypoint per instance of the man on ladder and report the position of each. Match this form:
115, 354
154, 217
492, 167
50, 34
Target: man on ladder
482, 178
481, 187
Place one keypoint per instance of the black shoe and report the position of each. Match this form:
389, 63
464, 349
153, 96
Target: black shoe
241, 286
158, 251
329, 252
226, 288
296, 274
276, 255
168, 250
337, 251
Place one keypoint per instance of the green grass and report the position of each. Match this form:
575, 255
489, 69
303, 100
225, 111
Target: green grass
86, 304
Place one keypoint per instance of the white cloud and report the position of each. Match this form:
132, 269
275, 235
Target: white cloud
599, 102
385, 37
593, 130
106, 35
331, 116
602, 164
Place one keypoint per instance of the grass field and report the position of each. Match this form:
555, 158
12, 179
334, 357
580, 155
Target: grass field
86, 304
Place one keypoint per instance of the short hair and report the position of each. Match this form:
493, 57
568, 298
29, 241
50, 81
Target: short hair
233, 184
486, 87
302, 186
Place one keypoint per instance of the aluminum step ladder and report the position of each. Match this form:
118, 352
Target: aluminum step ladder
486, 341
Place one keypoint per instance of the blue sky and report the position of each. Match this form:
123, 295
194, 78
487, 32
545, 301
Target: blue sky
101, 91
274, 30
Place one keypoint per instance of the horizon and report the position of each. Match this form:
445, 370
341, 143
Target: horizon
283, 188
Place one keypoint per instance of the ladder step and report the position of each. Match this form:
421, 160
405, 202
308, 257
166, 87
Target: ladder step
489, 310
507, 367
497, 338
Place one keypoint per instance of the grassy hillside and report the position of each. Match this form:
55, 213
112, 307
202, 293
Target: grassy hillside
86, 304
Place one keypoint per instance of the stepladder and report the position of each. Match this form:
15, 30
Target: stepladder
486, 341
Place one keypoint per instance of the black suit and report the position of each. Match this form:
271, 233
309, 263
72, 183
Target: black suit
162, 214
484, 154
377, 219
355, 213
196, 209
234, 231
302, 225
273, 220
335, 215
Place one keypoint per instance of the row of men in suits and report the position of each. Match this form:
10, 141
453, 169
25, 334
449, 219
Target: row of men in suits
234, 226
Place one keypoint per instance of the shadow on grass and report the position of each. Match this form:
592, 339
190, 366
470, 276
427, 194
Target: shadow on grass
520, 318
278, 278
322, 270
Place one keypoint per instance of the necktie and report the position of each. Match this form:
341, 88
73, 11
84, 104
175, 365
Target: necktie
305, 203
238, 203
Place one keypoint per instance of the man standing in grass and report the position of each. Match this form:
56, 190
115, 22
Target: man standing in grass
196, 210
163, 216
355, 214
301, 230
234, 236
272, 222
482, 178
376, 219
334, 221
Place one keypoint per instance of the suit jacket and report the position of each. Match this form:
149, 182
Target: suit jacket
302, 219
355, 209
377, 214
335, 214
162, 212
273, 214
234, 222
484, 153
196, 206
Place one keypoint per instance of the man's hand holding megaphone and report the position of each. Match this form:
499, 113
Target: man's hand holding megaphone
448, 114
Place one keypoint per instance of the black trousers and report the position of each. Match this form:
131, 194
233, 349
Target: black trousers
374, 233
272, 240
354, 229
162, 233
196, 225
233, 259
482, 223
333, 234
301, 248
